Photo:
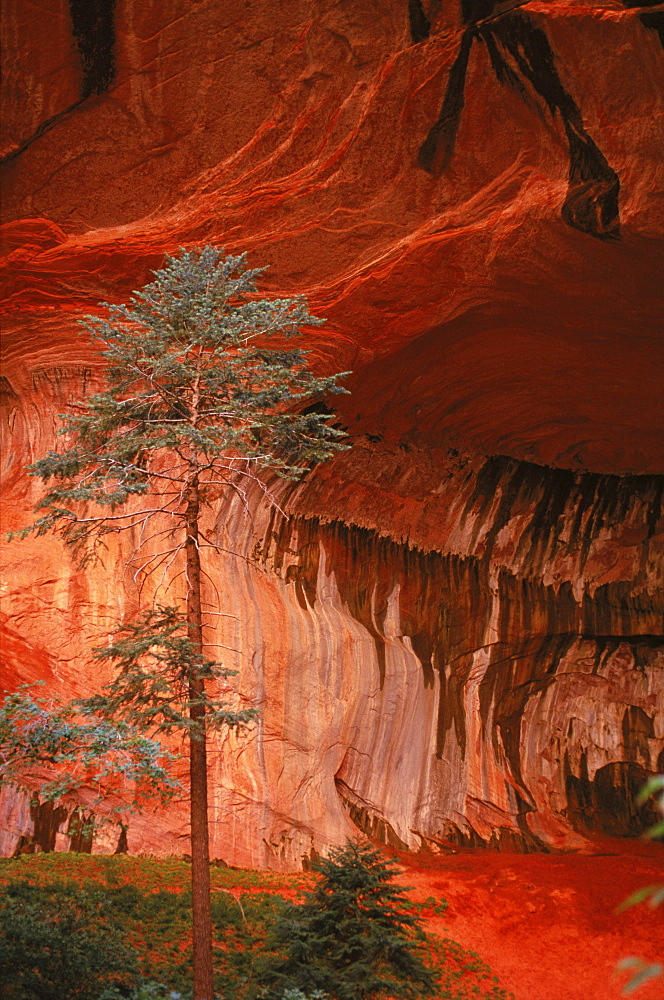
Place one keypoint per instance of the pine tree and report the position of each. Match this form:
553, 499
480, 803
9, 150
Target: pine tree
196, 403
352, 937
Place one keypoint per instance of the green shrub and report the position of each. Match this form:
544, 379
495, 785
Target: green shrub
353, 936
295, 994
60, 943
146, 990
145, 901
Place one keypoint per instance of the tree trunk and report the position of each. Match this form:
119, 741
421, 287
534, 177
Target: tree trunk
200, 847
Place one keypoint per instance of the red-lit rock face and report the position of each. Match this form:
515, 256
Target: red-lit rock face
306, 134
443, 643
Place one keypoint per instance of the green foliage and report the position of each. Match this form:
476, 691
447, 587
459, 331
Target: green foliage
148, 874
462, 975
196, 404
155, 663
59, 944
146, 990
37, 731
194, 395
654, 788
295, 994
153, 927
148, 900
352, 937
640, 970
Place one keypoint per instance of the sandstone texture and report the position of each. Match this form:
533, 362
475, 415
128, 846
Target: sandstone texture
454, 631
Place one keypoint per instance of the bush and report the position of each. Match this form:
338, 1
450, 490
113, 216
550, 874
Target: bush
295, 994
147, 990
145, 900
353, 936
59, 944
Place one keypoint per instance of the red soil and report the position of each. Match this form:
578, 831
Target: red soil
547, 924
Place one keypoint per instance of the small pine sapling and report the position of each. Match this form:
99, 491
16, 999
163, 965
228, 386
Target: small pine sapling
352, 937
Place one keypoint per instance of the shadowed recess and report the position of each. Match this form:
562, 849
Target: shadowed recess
510, 682
652, 19
608, 800
366, 819
48, 820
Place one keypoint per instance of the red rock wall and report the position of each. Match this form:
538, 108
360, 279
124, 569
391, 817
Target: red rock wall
459, 631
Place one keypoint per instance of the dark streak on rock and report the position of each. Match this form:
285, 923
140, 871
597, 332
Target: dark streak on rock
47, 819
374, 826
522, 58
637, 728
81, 831
122, 845
446, 605
503, 838
591, 204
93, 25
6, 389
420, 27
437, 149
56, 375
438, 597
589, 502
41, 130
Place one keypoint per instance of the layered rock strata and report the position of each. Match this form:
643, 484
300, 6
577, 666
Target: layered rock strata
504, 686
456, 633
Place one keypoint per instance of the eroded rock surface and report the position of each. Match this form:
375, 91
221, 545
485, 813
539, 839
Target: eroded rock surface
456, 634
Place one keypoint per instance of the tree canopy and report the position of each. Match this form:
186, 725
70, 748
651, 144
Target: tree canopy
195, 395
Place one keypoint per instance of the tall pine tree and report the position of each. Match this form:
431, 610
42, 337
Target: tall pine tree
197, 403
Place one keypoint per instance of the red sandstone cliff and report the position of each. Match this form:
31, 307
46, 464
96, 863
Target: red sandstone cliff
458, 632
